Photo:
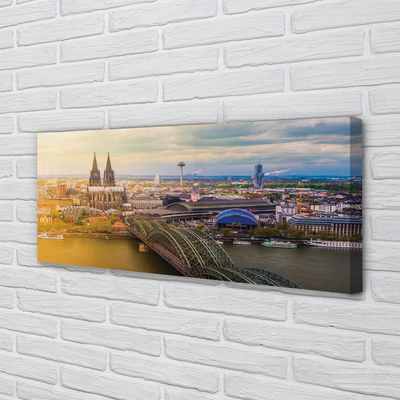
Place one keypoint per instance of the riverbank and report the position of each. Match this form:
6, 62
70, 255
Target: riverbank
97, 235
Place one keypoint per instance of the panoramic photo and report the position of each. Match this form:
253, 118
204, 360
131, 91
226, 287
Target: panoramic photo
275, 203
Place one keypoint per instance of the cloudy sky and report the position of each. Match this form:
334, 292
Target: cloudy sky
298, 147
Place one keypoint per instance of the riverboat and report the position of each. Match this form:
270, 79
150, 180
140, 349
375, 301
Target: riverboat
241, 242
333, 244
219, 242
276, 243
48, 236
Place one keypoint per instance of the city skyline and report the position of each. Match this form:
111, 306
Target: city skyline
318, 147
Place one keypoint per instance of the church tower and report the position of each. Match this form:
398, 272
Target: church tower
109, 179
95, 178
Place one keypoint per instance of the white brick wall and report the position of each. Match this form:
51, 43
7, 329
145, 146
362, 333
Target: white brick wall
79, 334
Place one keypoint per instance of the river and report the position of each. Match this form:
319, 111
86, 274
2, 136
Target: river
310, 267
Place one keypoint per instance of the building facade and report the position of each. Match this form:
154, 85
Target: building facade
340, 225
107, 196
258, 177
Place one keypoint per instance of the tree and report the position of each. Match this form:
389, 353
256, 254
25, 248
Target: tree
100, 226
59, 225
176, 224
357, 237
283, 226
119, 208
259, 231
112, 219
55, 213
227, 231
199, 227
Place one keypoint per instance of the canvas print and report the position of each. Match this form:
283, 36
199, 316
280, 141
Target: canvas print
275, 203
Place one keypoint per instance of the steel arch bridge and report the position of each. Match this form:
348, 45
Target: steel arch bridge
196, 254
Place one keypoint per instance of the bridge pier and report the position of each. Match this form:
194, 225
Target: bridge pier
143, 248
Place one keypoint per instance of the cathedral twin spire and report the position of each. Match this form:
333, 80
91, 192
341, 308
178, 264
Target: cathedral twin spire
95, 178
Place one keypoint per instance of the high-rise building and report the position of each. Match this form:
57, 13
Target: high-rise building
95, 179
109, 179
157, 180
229, 179
61, 191
258, 176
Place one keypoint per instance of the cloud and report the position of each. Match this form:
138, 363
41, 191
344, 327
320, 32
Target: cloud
277, 172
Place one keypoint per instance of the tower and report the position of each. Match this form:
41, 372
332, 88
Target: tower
258, 176
109, 179
95, 179
181, 164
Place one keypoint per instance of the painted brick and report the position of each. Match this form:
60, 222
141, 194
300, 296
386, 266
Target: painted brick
28, 278
67, 120
110, 46
111, 94
28, 323
6, 39
345, 376
360, 317
69, 353
341, 346
21, 190
6, 298
27, 168
76, 7
343, 13
251, 387
31, 12
385, 227
61, 75
224, 84
234, 302
174, 394
20, 233
333, 45
5, 3
385, 100
294, 106
157, 14
385, 165
149, 318
381, 130
6, 255
235, 6
61, 29
385, 288
85, 309
205, 112
226, 356
385, 39
381, 195
250, 26
6, 211
381, 256
170, 373
6, 387
21, 102
105, 384
18, 145
386, 351
27, 256
164, 63
6, 124
6, 168
373, 71
6, 341
28, 368
6, 82
140, 291
34, 391
112, 337
28, 57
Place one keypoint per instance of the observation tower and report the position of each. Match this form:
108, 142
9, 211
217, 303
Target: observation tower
181, 164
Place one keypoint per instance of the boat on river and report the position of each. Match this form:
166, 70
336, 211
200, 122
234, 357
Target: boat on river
50, 236
277, 243
333, 244
241, 242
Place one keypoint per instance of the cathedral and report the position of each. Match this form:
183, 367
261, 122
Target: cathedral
104, 196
